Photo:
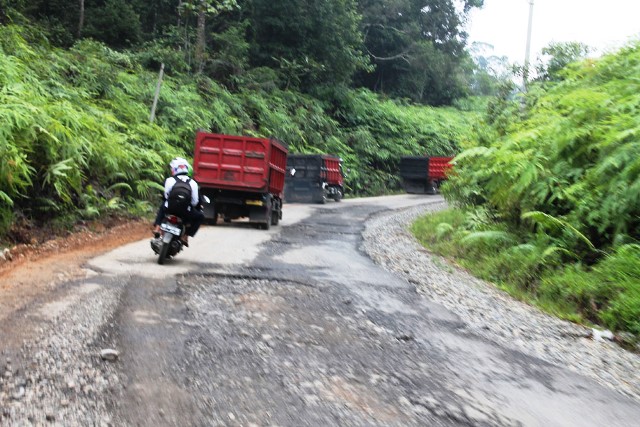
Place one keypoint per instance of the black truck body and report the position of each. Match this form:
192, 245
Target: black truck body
423, 175
313, 178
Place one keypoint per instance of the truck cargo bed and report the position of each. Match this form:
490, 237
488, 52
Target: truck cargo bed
239, 163
313, 178
242, 175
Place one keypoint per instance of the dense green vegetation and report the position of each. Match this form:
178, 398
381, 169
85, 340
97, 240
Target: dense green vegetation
78, 78
411, 49
549, 194
75, 127
417, 48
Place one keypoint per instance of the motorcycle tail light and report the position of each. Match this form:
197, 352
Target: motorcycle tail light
173, 219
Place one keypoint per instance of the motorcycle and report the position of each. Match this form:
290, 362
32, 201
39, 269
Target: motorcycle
169, 242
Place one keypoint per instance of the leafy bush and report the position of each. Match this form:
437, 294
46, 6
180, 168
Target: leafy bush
67, 120
621, 271
574, 156
6, 219
555, 176
381, 131
608, 294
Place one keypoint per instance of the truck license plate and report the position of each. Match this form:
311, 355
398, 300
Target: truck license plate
255, 202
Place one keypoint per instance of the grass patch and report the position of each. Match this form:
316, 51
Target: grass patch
530, 269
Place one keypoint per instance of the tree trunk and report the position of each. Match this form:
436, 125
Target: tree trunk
200, 36
81, 19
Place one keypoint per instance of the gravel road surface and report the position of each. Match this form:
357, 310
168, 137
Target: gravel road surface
336, 317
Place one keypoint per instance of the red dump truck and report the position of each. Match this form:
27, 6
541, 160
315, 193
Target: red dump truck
243, 176
313, 178
422, 174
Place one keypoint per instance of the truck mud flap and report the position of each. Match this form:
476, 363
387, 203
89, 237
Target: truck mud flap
209, 211
258, 213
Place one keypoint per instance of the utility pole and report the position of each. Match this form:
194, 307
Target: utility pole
525, 74
157, 95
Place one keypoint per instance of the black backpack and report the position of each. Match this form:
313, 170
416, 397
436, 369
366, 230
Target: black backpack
179, 198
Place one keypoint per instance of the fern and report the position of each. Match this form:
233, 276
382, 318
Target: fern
119, 186
549, 221
489, 236
5, 198
443, 229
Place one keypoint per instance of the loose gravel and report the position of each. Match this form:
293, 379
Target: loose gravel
59, 378
490, 312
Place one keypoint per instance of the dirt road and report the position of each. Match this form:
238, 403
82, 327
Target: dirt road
292, 326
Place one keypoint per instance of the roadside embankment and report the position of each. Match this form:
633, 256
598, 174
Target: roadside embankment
493, 314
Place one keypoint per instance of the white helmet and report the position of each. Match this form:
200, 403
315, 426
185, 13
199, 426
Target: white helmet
179, 166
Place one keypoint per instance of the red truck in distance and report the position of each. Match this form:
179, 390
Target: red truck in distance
243, 176
423, 175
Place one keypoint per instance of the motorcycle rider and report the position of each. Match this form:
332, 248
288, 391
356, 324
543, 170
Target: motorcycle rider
193, 218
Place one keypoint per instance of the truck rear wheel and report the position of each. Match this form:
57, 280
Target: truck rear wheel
268, 220
214, 220
276, 212
264, 225
323, 197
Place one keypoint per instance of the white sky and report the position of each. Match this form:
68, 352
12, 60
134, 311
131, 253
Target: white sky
601, 24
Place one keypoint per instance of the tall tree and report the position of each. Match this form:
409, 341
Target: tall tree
488, 73
201, 43
114, 22
556, 57
311, 42
81, 18
59, 17
417, 47
157, 17
203, 9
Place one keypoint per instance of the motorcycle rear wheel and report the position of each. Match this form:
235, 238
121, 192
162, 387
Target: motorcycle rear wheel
163, 252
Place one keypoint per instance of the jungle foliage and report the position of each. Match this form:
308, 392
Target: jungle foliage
411, 49
417, 48
549, 193
78, 79
75, 130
